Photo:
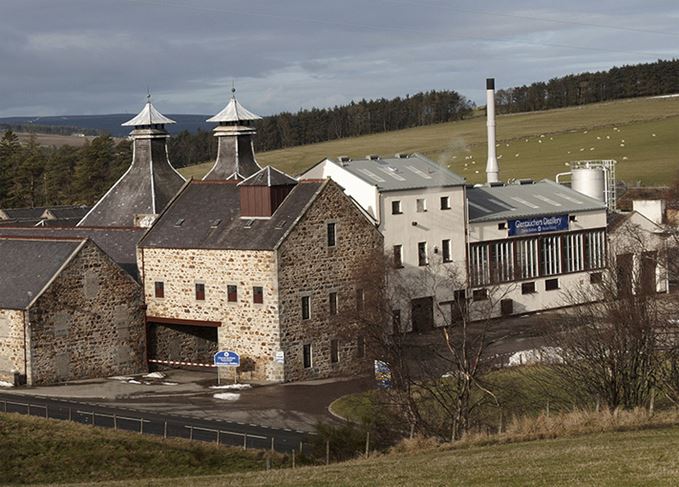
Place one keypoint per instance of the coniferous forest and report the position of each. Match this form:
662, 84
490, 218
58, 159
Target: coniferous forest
34, 175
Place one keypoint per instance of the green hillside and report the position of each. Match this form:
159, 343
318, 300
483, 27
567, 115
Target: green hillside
642, 134
647, 457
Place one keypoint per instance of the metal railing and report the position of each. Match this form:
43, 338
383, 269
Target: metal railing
166, 428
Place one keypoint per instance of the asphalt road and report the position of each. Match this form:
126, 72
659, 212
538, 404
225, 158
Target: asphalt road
209, 430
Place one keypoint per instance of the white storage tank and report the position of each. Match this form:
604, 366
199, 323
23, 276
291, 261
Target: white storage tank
590, 181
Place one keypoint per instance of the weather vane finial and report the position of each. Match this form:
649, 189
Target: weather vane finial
233, 88
148, 95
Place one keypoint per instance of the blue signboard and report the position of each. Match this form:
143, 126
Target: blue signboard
382, 374
227, 359
538, 224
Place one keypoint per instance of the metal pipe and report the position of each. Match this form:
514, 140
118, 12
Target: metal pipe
492, 168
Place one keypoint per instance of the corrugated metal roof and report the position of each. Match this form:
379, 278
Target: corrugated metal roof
148, 116
399, 173
234, 112
523, 200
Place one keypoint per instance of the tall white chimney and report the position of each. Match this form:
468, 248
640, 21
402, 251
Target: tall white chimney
492, 169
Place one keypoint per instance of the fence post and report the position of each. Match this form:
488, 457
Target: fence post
47, 413
219, 442
141, 426
301, 448
293, 458
190, 432
92, 418
327, 452
28, 406
245, 441
165, 429
272, 438
115, 422
367, 444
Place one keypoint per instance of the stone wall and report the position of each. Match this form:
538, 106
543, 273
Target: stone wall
11, 344
88, 323
247, 328
308, 267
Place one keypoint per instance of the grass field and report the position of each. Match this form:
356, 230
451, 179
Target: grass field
36, 450
642, 134
646, 457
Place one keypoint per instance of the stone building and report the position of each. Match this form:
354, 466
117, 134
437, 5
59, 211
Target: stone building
67, 312
148, 184
266, 268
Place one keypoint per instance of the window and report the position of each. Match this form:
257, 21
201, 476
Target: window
257, 294
422, 254
551, 284
550, 255
332, 302
502, 261
306, 307
446, 250
596, 278
573, 248
421, 205
527, 258
480, 295
396, 318
528, 288
445, 202
595, 245
160, 289
502, 226
306, 356
360, 299
478, 263
398, 256
200, 291
396, 208
232, 293
360, 347
332, 235
334, 351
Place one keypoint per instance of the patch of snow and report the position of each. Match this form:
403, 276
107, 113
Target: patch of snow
227, 396
123, 378
164, 383
133, 381
155, 375
549, 355
6, 384
233, 387
665, 96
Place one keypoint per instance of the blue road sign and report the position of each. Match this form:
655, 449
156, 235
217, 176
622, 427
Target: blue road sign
538, 224
227, 359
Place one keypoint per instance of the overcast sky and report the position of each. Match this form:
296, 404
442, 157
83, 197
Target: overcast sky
98, 56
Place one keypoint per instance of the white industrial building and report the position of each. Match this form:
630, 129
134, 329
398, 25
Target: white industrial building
420, 209
523, 246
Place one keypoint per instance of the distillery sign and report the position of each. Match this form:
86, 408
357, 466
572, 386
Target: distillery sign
538, 224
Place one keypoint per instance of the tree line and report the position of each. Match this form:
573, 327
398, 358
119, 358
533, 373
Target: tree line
649, 79
32, 175
309, 126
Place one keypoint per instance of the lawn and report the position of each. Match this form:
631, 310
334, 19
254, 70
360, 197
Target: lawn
646, 457
641, 134
36, 450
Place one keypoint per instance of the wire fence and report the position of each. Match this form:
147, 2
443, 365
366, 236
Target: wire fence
165, 428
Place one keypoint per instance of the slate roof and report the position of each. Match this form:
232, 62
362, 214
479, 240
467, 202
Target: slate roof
118, 243
67, 215
148, 116
524, 200
68, 212
206, 215
268, 176
28, 265
394, 174
234, 112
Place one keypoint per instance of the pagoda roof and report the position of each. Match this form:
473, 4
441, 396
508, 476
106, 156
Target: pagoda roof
234, 112
148, 116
